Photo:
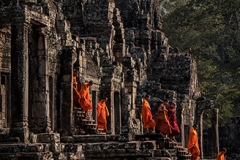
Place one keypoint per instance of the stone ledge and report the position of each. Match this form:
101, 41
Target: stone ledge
48, 138
27, 155
89, 138
15, 148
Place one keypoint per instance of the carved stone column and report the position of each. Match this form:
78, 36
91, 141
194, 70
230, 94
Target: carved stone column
19, 79
215, 133
201, 134
43, 51
183, 140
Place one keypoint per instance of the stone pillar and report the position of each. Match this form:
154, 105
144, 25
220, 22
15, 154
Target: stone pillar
200, 140
19, 80
111, 111
66, 110
44, 34
215, 132
182, 127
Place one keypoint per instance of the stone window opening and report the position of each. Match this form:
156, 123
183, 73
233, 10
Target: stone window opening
3, 79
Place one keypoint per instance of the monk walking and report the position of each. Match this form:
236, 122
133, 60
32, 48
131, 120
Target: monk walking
221, 154
193, 146
162, 121
102, 113
173, 121
85, 99
148, 122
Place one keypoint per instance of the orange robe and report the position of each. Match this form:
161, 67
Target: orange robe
220, 156
103, 112
148, 122
162, 121
85, 99
193, 146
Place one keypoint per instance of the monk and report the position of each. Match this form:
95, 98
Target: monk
221, 154
173, 121
102, 113
85, 99
148, 122
162, 121
193, 146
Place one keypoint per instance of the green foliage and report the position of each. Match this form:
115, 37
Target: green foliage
210, 31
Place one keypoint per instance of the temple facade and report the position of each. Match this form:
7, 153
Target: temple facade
119, 45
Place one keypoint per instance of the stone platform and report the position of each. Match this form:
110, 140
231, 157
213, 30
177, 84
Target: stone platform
94, 147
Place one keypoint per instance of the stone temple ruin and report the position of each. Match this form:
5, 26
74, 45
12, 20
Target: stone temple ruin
117, 44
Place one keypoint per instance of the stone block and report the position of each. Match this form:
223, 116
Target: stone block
144, 153
15, 148
110, 145
132, 145
48, 138
125, 137
148, 145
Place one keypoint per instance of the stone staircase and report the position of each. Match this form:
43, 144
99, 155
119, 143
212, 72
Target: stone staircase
143, 147
82, 125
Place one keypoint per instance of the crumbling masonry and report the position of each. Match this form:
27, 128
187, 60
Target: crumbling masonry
117, 44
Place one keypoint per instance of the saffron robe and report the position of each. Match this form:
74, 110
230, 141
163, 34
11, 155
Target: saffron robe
193, 146
85, 99
162, 121
220, 156
148, 121
102, 112
173, 122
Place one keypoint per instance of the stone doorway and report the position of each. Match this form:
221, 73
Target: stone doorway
39, 91
117, 112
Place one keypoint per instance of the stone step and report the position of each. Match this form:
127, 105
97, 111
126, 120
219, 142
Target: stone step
80, 116
166, 143
130, 146
15, 148
79, 112
71, 156
71, 147
27, 155
158, 158
118, 153
89, 138
165, 153
91, 126
182, 153
86, 121
148, 137
5, 138
46, 138
180, 148
184, 157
